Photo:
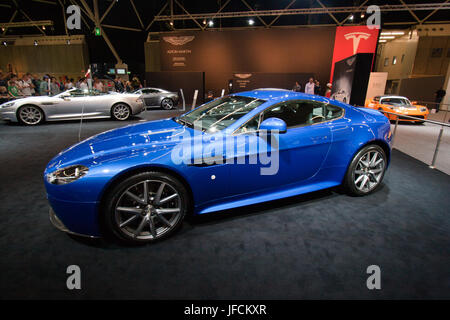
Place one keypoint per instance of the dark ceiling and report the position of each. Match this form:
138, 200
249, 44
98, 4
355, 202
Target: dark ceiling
129, 43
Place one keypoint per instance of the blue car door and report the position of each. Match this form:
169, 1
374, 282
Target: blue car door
296, 155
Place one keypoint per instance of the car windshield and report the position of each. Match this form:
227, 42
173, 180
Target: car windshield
396, 101
79, 93
220, 113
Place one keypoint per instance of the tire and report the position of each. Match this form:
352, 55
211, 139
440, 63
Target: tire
121, 112
361, 180
30, 115
167, 104
132, 218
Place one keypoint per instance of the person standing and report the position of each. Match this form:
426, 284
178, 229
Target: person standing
309, 87
83, 84
13, 89
297, 87
328, 90
98, 85
440, 94
317, 88
44, 88
26, 86
69, 84
119, 85
54, 87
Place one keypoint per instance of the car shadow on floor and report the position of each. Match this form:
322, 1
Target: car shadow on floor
217, 217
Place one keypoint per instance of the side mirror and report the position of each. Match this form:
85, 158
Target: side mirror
65, 97
273, 124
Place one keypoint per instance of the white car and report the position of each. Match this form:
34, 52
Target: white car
72, 104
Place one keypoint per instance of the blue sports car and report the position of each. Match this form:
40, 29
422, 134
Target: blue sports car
137, 183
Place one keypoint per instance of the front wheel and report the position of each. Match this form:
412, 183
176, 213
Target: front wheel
30, 115
145, 208
366, 171
121, 112
167, 104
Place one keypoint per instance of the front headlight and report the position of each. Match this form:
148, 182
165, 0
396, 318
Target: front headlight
67, 175
7, 105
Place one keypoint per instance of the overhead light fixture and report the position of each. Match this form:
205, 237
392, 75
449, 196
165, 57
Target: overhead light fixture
3, 29
362, 15
35, 42
68, 41
171, 23
387, 37
382, 40
204, 21
5, 43
43, 27
210, 23
351, 17
251, 22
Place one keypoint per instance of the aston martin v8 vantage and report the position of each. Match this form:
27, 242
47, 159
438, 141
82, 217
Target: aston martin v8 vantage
137, 183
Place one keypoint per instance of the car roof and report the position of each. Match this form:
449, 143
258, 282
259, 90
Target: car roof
271, 94
390, 96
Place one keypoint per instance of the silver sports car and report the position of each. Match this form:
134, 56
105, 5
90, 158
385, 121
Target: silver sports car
72, 104
154, 97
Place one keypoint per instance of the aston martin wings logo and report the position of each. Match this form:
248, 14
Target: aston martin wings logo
178, 40
242, 75
356, 37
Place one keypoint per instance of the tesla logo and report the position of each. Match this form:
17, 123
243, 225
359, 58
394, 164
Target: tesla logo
178, 41
356, 37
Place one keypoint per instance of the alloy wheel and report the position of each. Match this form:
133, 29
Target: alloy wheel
148, 210
30, 115
167, 104
121, 112
369, 171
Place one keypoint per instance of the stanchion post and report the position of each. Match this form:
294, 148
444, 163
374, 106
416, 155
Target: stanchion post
395, 131
182, 97
223, 93
194, 101
433, 162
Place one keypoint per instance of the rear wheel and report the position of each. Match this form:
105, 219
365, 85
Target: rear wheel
145, 208
121, 111
167, 104
30, 115
366, 171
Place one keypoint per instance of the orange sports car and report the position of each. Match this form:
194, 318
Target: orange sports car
399, 105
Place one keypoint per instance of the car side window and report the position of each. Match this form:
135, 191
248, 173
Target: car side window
295, 114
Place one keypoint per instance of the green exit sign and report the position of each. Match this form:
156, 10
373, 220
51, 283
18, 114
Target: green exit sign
98, 31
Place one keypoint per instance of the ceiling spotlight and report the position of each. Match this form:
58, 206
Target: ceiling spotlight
68, 41
43, 27
3, 29
251, 22
381, 41
35, 42
4, 43
362, 15
351, 17
171, 23
204, 21
210, 23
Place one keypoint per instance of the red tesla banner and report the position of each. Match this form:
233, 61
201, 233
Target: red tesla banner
352, 40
